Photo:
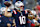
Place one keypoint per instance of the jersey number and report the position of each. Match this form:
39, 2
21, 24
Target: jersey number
22, 19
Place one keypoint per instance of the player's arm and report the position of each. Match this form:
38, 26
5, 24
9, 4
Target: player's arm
7, 14
14, 24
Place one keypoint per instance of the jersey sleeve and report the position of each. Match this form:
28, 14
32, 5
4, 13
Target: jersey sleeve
14, 13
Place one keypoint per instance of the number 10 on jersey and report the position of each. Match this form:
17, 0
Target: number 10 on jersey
22, 19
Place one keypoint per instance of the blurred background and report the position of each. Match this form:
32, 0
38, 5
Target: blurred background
28, 3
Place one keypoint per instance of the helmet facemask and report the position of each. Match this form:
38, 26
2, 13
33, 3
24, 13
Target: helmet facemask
21, 8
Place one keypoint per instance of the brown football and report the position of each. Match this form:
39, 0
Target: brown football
7, 4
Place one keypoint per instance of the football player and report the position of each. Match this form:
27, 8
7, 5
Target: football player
30, 18
7, 20
19, 14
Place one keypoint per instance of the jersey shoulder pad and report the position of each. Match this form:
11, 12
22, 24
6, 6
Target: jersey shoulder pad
14, 11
